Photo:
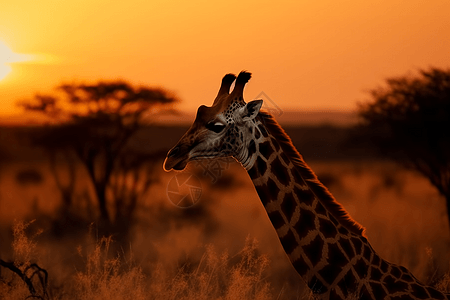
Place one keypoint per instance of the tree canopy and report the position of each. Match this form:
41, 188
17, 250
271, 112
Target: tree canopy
409, 120
94, 123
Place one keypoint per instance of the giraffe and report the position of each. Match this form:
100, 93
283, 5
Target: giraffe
327, 248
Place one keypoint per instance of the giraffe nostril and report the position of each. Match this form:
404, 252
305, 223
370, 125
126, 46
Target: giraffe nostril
174, 151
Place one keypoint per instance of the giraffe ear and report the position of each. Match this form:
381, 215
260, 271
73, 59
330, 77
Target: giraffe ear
250, 110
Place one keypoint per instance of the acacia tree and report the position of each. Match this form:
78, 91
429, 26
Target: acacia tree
94, 123
409, 121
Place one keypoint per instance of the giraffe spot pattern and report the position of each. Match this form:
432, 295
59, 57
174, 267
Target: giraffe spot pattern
258, 169
261, 166
272, 189
288, 206
347, 247
357, 244
402, 297
376, 260
384, 266
304, 196
435, 294
265, 149
296, 174
365, 294
327, 228
375, 274
342, 230
378, 290
305, 223
334, 294
333, 219
277, 167
289, 242
392, 284
275, 144
251, 148
301, 266
395, 271
404, 270
263, 195
314, 250
263, 130
285, 160
336, 257
361, 268
276, 218
335, 263
257, 134
317, 286
329, 273
320, 209
419, 291
253, 172
407, 277
231, 108
347, 281
367, 253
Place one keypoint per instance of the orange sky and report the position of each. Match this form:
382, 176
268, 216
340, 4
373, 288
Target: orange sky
303, 54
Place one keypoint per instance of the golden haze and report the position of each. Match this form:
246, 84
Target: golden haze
304, 54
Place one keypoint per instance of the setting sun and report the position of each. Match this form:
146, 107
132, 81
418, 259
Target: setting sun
7, 56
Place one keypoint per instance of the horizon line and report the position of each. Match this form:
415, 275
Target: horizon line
340, 117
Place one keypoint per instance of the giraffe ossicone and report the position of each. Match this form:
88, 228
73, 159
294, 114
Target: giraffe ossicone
325, 245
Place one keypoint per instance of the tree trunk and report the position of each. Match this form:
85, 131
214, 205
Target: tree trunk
447, 202
101, 197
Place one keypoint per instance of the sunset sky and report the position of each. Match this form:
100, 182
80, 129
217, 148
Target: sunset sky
304, 55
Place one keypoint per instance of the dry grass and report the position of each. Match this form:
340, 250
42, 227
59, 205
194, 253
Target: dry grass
443, 284
167, 259
105, 275
216, 276
23, 276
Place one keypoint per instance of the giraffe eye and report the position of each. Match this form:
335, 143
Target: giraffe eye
215, 126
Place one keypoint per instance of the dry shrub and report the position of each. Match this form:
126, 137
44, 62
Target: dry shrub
216, 276
24, 248
247, 276
13, 289
108, 278
22, 278
443, 285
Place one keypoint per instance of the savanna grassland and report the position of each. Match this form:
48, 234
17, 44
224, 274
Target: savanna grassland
224, 247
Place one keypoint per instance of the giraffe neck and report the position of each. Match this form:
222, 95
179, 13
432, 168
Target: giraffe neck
325, 246
309, 234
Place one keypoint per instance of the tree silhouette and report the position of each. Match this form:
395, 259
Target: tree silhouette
94, 123
409, 121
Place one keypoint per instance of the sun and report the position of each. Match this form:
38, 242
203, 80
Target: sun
7, 56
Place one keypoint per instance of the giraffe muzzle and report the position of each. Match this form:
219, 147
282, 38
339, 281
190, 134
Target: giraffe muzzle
173, 152
176, 159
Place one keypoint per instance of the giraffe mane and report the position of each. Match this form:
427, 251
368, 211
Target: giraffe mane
321, 192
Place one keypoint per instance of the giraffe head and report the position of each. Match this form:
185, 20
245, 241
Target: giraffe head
223, 129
